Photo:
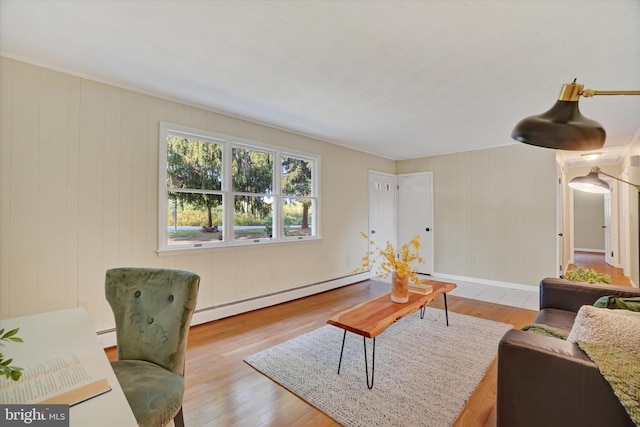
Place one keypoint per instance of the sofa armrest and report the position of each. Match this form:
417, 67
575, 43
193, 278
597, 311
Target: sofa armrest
567, 295
545, 381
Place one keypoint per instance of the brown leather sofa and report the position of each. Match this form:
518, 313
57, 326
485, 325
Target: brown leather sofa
546, 381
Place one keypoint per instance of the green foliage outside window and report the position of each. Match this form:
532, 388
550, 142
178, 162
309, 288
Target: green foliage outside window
195, 165
296, 181
188, 215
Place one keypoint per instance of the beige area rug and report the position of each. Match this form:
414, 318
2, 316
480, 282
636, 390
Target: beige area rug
425, 371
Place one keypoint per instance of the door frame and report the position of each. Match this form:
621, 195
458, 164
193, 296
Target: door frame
613, 223
625, 228
614, 202
560, 196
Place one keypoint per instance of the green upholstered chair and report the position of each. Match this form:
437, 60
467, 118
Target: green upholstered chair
152, 309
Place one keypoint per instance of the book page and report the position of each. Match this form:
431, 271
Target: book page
62, 379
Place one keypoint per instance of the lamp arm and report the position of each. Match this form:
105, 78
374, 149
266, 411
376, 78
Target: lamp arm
587, 93
616, 178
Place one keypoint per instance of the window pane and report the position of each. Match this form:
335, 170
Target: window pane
296, 177
252, 171
253, 217
193, 164
298, 217
194, 218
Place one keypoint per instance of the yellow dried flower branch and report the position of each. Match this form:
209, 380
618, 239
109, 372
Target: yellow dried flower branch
389, 260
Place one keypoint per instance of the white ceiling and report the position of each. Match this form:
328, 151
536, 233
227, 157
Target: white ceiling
400, 79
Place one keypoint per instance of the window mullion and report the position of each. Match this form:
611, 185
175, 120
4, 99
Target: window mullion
228, 222
278, 212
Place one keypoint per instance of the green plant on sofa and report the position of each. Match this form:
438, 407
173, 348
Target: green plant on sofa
581, 274
10, 372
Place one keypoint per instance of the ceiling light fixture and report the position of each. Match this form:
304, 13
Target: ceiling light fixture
563, 127
591, 183
591, 156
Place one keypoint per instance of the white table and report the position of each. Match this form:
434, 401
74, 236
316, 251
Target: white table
48, 335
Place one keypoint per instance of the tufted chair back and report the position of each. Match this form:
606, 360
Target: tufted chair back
153, 309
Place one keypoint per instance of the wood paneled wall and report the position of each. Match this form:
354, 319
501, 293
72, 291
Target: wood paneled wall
494, 213
79, 185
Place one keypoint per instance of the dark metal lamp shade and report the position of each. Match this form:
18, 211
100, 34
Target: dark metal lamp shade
590, 183
561, 128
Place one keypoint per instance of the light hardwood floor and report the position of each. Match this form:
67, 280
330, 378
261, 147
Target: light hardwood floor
596, 262
222, 390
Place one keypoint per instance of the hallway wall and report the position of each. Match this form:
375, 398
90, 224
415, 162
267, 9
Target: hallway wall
588, 211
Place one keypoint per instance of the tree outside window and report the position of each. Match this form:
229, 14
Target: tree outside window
252, 185
194, 183
297, 191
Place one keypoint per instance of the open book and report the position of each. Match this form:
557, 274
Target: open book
60, 380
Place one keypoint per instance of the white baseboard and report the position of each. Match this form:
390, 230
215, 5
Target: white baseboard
595, 251
529, 288
208, 314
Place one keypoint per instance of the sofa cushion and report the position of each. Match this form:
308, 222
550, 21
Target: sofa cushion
617, 328
560, 319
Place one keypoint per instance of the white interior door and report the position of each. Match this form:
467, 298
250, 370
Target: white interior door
415, 215
382, 210
608, 255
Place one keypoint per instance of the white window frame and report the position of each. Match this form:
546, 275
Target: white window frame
229, 143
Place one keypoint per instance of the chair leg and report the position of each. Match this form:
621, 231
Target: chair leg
178, 420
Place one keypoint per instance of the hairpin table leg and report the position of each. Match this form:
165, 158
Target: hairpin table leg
366, 362
373, 361
342, 350
446, 310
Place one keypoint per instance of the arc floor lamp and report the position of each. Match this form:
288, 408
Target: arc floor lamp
563, 127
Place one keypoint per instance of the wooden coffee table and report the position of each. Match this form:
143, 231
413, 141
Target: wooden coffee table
370, 318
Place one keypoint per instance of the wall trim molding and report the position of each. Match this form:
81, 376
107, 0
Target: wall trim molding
529, 288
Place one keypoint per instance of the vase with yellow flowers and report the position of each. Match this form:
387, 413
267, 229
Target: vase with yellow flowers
396, 264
